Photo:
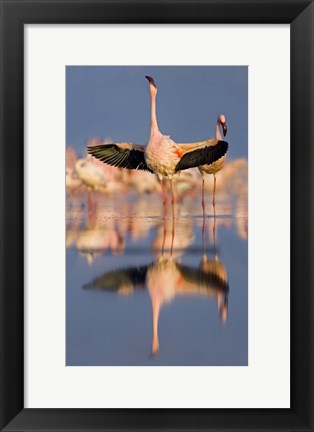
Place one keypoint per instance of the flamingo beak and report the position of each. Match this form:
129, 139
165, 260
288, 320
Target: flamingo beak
224, 129
150, 80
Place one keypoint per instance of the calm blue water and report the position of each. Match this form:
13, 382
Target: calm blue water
129, 267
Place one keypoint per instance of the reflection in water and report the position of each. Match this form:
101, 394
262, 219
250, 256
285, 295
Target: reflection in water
216, 267
167, 278
135, 250
95, 238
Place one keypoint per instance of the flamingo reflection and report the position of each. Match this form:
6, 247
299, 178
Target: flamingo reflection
165, 278
215, 267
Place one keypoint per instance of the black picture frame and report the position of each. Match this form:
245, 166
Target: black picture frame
14, 14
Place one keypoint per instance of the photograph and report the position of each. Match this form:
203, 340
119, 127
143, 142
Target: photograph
156, 191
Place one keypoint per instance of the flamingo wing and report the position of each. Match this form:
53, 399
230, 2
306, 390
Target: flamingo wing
123, 155
197, 278
134, 277
200, 153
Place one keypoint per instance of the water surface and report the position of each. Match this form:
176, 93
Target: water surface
148, 288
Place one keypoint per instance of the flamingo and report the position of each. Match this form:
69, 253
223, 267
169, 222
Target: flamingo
216, 166
91, 175
143, 182
161, 155
185, 183
72, 181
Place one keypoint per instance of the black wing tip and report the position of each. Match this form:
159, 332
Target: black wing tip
136, 274
112, 155
225, 146
221, 147
99, 147
206, 155
200, 276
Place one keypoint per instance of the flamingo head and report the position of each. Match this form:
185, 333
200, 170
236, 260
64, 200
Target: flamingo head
222, 121
152, 85
150, 80
81, 163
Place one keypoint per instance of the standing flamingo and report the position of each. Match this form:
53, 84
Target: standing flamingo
161, 155
91, 176
216, 166
72, 181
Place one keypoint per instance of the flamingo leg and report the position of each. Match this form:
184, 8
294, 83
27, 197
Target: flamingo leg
95, 204
95, 200
214, 193
74, 193
203, 201
164, 194
68, 200
172, 204
172, 196
214, 230
165, 232
90, 201
172, 234
203, 231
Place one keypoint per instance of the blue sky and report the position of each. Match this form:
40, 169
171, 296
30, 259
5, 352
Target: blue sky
114, 102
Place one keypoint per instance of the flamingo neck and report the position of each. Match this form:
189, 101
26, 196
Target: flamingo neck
153, 124
218, 134
155, 341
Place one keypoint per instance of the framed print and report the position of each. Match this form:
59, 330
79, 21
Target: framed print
163, 266
164, 282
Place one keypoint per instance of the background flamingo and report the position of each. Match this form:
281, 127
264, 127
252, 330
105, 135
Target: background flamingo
91, 175
72, 181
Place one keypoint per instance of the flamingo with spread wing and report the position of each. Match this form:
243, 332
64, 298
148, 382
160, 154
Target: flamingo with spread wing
161, 155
